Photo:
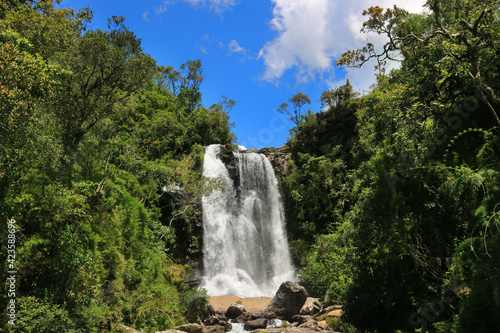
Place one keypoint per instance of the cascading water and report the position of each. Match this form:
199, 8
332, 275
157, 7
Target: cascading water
245, 250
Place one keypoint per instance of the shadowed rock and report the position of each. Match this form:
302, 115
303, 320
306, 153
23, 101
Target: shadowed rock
287, 302
235, 310
255, 324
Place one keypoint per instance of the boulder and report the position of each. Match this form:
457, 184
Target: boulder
211, 321
126, 329
329, 309
213, 329
322, 325
170, 331
228, 326
287, 302
255, 324
311, 307
312, 325
288, 330
190, 328
300, 319
244, 317
218, 320
335, 313
210, 311
235, 310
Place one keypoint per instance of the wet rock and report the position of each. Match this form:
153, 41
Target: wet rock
244, 317
229, 159
255, 324
214, 329
290, 330
228, 326
287, 302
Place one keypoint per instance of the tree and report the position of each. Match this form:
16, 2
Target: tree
11, 5
334, 98
298, 101
463, 32
184, 84
173, 78
25, 82
51, 31
190, 89
105, 67
225, 105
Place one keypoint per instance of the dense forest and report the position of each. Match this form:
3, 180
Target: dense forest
100, 167
396, 193
391, 198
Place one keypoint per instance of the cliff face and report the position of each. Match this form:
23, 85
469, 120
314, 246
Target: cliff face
279, 158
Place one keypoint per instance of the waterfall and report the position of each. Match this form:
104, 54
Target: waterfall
245, 250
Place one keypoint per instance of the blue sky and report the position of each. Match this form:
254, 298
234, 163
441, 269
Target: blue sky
256, 52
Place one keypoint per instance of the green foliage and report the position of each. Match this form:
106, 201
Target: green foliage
328, 269
396, 192
194, 301
298, 101
35, 315
101, 170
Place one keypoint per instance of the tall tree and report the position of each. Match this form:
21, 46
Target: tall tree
463, 33
298, 101
104, 67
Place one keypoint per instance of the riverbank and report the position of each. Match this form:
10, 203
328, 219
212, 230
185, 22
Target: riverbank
252, 304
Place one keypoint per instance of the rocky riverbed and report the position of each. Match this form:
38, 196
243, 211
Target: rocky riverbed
290, 310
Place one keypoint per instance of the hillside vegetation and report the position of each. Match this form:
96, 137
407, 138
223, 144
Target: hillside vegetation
392, 198
395, 195
91, 131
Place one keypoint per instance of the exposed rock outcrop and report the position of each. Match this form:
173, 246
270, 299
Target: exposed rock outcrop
279, 157
310, 319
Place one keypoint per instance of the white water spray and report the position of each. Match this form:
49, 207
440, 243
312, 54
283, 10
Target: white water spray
245, 250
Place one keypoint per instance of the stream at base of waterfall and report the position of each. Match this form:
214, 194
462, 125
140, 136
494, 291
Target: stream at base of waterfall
245, 249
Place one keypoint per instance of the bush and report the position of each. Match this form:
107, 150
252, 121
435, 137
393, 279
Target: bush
35, 315
194, 302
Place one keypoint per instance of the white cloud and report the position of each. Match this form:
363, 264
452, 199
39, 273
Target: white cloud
201, 48
311, 35
234, 47
217, 6
145, 16
162, 8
